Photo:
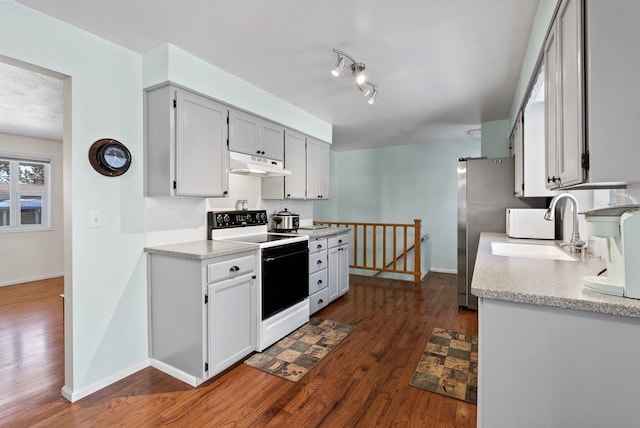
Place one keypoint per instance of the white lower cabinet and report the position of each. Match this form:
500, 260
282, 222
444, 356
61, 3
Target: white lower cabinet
202, 314
232, 321
338, 269
318, 281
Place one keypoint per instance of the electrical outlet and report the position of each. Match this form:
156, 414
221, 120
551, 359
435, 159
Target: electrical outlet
95, 218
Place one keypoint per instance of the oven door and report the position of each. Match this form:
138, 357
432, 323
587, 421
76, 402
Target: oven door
285, 277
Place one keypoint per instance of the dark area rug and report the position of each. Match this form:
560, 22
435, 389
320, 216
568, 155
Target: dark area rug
449, 365
293, 356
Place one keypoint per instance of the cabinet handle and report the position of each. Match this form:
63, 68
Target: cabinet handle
320, 301
258, 152
225, 192
339, 241
319, 262
262, 153
234, 269
319, 281
288, 195
319, 246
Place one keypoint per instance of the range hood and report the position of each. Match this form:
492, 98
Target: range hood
240, 163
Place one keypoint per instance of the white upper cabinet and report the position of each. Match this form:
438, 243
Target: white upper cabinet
591, 109
563, 58
292, 186
185, 144
318, 154
254, 136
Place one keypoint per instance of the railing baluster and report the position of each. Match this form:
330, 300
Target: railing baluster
388, 266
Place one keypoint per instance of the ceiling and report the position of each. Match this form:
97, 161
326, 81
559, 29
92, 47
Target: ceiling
442, 66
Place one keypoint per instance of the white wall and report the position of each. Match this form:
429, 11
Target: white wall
29, 256
400, 184
105, 268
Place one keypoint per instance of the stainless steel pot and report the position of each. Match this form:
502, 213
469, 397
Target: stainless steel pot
284, 221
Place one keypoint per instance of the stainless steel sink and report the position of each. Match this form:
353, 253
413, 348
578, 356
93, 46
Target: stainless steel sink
535, 251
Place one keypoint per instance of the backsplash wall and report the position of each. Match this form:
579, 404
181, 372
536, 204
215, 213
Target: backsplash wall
175, 219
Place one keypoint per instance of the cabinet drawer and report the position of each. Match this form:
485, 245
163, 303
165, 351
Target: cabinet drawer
230, 268
317, 281
316, 245
317, 261
334, 241
318, 300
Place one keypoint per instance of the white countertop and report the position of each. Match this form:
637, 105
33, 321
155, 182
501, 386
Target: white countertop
324, 232
554, 283
200, 250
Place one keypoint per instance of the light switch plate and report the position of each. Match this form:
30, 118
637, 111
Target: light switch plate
95, 218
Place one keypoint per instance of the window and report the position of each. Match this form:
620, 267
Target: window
24, 193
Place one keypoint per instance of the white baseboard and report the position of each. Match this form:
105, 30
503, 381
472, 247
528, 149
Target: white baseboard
178, 374
73, 396
454, 271
31, 279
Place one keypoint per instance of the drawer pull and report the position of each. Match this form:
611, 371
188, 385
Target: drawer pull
339, 241
319, 262
319, 281
320, 301
319, 246
234, 269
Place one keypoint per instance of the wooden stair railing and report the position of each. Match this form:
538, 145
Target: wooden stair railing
397, 238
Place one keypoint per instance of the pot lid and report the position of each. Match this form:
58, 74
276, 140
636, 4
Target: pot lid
285, 212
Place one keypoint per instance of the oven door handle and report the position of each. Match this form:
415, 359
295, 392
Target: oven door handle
273, 259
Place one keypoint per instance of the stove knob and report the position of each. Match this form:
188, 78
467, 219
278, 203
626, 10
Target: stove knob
264, 217
226, 218
249, 219
219, 219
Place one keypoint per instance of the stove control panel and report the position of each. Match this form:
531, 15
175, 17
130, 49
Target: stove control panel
229, 219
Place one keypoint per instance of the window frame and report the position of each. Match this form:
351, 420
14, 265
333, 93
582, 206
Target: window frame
16, 195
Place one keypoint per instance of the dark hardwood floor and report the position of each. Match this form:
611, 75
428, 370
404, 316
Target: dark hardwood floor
364, 382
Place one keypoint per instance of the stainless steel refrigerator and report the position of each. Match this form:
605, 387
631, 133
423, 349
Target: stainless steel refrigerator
485, 191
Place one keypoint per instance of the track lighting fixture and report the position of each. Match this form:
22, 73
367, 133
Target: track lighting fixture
368, 89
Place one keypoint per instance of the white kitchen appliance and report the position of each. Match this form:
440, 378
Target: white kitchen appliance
621, 226
528, 223
282, 270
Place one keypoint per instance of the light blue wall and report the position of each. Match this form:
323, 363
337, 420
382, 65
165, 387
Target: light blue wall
105, 268
495, 139
400, 184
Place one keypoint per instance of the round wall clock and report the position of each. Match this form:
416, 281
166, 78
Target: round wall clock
109, 157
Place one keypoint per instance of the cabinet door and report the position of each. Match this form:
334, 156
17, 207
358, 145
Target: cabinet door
333, 275
570, 62
202, 158
294, 161
318, 155
324, 159
244, 131
272, 140
343, 270
551, 106
232, 322
518, 152
312, 169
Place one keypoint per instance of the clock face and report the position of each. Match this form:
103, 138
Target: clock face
114, 156
109, 157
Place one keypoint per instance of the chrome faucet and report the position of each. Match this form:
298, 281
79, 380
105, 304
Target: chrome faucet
575, 242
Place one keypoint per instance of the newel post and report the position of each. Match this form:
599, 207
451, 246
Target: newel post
417, 244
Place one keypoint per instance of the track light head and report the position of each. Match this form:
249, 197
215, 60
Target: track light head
341, 62
357, 71
372, 97
365, 89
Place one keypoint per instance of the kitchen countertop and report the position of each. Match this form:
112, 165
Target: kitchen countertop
554, 283
321, 233
200, 250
